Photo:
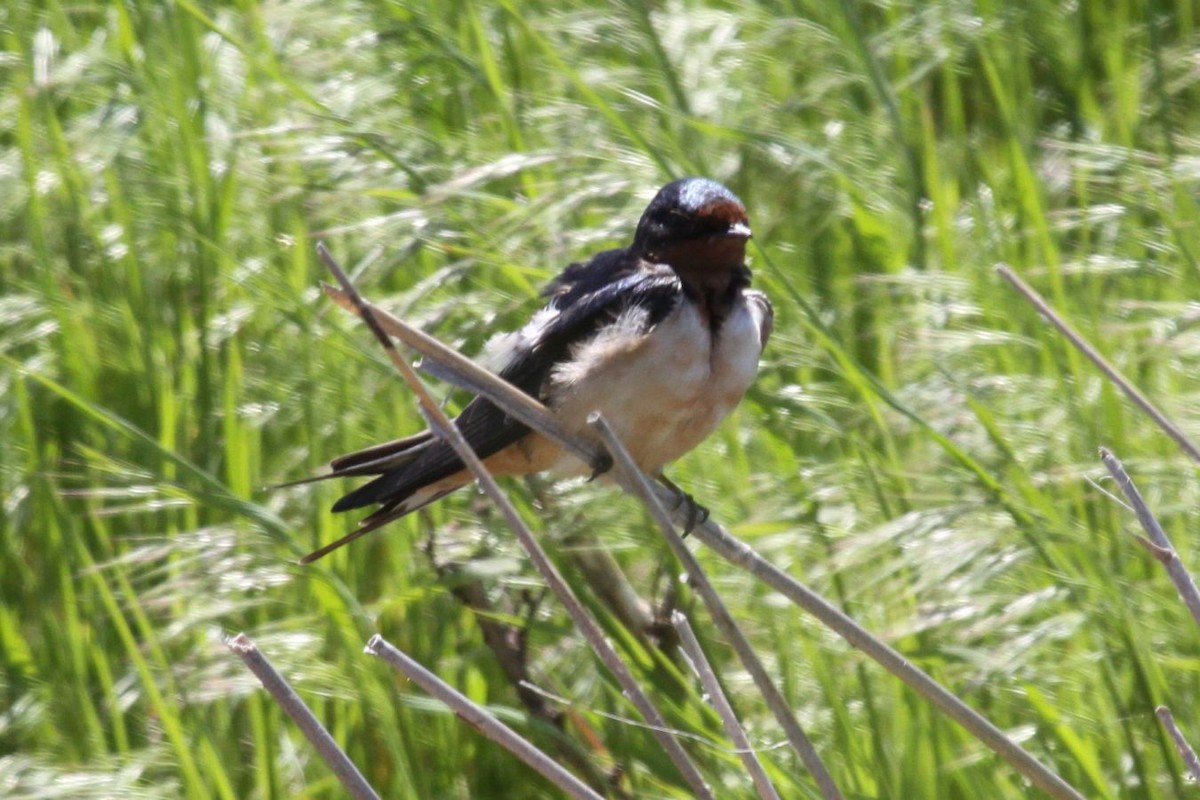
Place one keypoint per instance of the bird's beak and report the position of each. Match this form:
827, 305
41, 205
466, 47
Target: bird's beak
738, 230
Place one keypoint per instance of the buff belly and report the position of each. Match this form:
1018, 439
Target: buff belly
663, 391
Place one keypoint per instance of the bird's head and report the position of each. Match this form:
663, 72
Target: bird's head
694, 225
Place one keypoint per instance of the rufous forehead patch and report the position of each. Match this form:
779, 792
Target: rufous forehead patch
726, 211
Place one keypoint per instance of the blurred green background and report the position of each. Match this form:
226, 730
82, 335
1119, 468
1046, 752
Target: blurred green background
920, 447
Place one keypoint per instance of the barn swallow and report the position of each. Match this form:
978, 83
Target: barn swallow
663, 337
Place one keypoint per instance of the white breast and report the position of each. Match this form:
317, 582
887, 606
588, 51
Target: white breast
666, 390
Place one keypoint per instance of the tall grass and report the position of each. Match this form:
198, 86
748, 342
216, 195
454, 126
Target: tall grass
920, 446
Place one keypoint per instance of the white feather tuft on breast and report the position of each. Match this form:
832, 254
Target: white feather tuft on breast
500, 349
664, 390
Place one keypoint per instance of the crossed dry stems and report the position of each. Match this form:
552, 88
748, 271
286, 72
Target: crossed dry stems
605, 451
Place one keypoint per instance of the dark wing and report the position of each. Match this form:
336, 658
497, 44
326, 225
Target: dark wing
586, 277
410, 464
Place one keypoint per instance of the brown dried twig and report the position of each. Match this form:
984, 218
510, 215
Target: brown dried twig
506, 640
349, 776
1093, 355
1158, 544
480, 719
1181, 744
643, 489
708, 679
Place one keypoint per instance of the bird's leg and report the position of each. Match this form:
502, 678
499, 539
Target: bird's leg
696, 513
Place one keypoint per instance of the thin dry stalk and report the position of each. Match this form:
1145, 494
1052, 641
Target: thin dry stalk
451, 364
1093, 355
643, 489
1181, 744
441, 425
1159, 545
742, 555
509, 642
478, 718
356, 785
506, 640
712, 686
606, 580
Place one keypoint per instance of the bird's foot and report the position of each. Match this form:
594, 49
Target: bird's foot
601, 465
694, 513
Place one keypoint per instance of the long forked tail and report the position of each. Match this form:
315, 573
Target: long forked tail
375, 460
381, 517
414, 471
394, 464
